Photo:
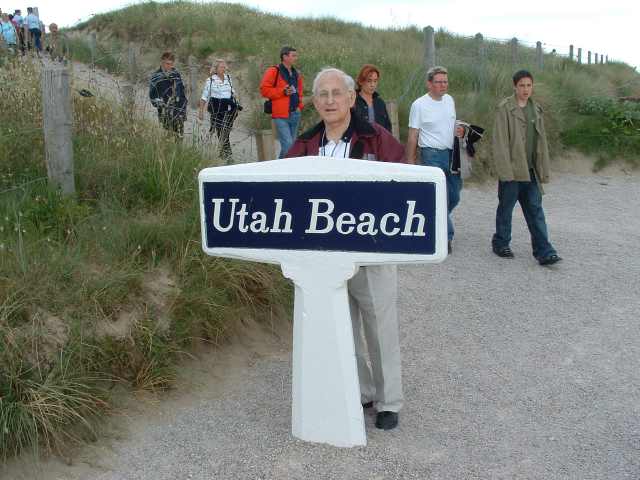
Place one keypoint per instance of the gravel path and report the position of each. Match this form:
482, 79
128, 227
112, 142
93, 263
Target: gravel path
511, 370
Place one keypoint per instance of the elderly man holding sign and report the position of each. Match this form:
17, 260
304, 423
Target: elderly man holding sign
373, 290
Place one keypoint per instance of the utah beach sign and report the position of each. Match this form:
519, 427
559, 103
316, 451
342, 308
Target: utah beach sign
320, 219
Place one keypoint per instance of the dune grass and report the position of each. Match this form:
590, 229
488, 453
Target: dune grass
110, 285
254, 38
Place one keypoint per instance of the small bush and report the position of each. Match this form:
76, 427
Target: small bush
606, 128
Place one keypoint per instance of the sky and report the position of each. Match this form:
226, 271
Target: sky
603, 27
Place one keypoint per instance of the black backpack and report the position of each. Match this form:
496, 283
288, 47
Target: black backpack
268, 107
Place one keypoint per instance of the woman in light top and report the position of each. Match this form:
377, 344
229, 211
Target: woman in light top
219, 98
369, 105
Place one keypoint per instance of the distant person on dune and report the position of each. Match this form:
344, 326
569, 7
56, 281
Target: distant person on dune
166, 92
282, 86
220, 100
9, 34
34, 26
18, 21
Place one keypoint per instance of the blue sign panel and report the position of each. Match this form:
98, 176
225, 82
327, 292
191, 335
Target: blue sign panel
386, 217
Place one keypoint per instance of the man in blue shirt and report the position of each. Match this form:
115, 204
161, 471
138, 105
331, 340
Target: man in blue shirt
33, 24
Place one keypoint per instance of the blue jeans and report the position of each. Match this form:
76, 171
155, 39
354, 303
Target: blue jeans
530, 198
287, 131
36, 33
432, 157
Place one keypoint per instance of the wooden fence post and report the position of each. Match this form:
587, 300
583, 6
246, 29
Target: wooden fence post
132, 64
596, 56
128, 97
57, 116
589, 57
93, 46
429, 47
514, 52
580, 55
264, 142
481, 61
193, 82
601, 59
607, 59
539, 56
571, 52
392, 108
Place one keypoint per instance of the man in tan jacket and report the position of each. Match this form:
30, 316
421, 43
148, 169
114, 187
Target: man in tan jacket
521, 156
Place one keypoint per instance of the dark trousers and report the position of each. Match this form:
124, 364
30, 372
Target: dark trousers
221, 123
21, 43
171, 122
530, 199
36, 33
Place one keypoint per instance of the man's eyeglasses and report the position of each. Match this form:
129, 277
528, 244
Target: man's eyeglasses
336, 94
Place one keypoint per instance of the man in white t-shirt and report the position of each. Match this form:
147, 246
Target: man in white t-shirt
432, 127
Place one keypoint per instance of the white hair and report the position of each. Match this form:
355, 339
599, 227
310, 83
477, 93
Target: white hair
216, 63
349, 83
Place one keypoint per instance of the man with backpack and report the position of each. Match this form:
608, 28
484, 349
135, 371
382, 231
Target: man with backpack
282, 86
166, 92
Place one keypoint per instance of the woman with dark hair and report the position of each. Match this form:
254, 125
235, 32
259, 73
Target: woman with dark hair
369, 105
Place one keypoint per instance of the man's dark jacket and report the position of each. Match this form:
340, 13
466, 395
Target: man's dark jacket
368, 142
168, 87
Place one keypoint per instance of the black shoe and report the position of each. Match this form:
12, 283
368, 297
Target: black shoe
504, 252
387, 420
450, 247
549, 259
367, 405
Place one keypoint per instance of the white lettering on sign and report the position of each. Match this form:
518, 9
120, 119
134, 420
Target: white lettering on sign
411, 216
321, 220
322, 208
315, 213
259, 219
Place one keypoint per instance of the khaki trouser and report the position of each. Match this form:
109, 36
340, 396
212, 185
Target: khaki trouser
373, 304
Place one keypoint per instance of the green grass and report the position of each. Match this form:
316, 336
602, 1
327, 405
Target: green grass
83, 303
605, 128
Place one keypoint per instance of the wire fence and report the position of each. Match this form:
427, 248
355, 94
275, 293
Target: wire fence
133, 93
118, 76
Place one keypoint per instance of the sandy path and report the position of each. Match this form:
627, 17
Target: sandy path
511, 370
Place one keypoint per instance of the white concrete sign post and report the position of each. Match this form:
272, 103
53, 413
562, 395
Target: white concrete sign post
321, 219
